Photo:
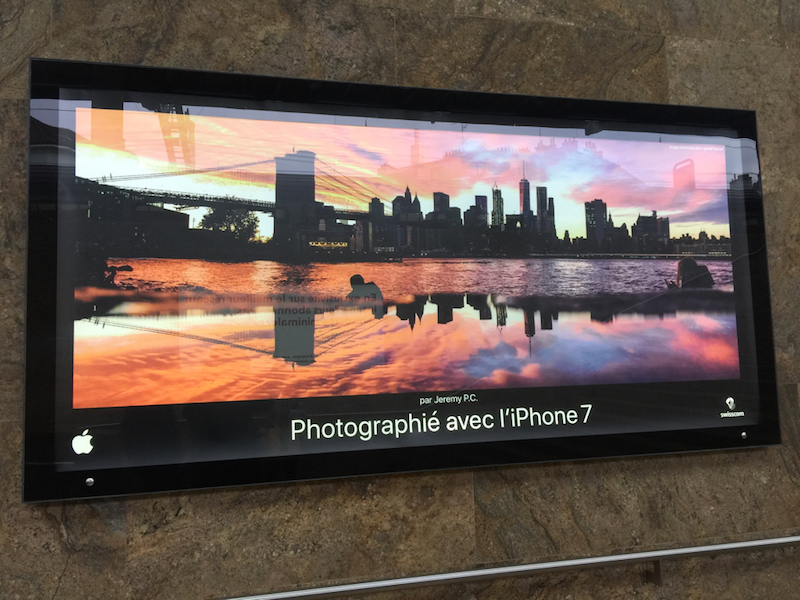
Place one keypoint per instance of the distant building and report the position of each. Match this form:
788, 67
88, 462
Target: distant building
498, 214
441, 202
550, 227
454, 216
525, 202
651, 233
651, 225
376, 213
596, 220
481, 202
397, 205
402, 204
476, 216
541, 210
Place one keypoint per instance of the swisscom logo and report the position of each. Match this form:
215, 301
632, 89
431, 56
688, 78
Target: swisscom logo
731, 412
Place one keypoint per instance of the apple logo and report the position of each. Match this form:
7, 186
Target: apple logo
82, 444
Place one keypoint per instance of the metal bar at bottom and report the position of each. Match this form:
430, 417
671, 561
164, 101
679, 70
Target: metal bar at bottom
368, 587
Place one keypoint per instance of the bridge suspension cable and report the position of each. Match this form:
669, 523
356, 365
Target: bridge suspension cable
370, 192
337, 179
179, 173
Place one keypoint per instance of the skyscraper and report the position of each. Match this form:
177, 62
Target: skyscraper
524, 196
596, 219
376, 213
477, 215
441, 202
498, 215
525, 201
541, 210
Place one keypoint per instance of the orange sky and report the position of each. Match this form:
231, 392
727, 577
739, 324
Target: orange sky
355, 163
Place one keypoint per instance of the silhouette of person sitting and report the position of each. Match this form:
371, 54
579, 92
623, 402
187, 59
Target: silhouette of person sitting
692, 275
366, 294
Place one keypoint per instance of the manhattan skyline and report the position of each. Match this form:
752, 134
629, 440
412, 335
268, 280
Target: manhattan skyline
632, 177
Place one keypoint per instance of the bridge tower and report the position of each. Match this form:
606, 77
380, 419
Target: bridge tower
295, 204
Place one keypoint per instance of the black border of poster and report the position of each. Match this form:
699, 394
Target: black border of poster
44, 480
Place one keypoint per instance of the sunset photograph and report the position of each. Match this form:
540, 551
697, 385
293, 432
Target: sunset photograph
230, 255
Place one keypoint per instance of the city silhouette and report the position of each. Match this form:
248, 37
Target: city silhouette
125, 218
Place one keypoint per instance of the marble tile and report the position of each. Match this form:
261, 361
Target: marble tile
255, 540
781, 186
751, 21
789, 451
12, 324
550, 511
429, 6
11, 392
748, 21
314, 39
13, 133
13, 220
94, 533
325, 39
786, 329
781, 190
601, 14
13, 188
759, 78
24, 32
529, 58
789, 22
278, 537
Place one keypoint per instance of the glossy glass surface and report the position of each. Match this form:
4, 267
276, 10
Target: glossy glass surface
250, 287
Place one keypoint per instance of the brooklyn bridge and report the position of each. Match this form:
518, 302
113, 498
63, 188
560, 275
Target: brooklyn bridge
294, 187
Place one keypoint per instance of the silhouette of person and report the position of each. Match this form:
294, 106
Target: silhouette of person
367, 294
692, 275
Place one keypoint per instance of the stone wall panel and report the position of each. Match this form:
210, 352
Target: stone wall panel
211, 544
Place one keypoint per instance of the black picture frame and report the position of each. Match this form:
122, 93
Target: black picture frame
148, 448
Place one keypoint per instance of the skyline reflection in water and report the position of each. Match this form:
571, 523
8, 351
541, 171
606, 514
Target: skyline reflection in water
172, 348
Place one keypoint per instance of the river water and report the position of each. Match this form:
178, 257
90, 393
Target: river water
512, 277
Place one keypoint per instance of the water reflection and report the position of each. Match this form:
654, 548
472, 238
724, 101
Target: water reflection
196, 347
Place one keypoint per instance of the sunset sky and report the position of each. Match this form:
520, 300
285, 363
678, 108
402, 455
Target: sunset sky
358, 160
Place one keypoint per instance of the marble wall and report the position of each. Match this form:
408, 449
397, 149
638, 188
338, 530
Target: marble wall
742, 54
